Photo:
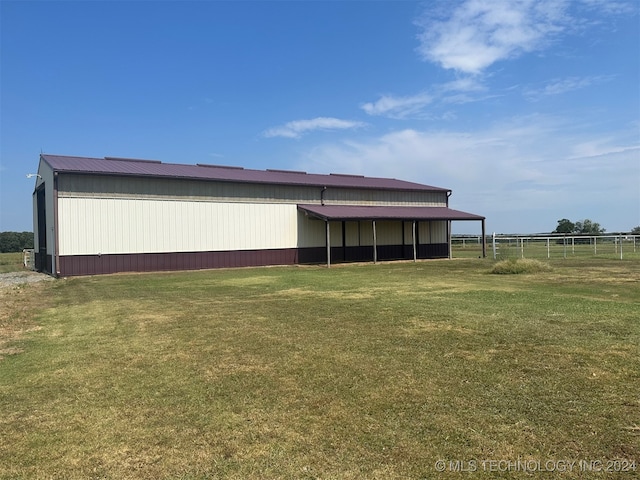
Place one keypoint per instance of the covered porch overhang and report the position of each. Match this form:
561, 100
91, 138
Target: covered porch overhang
345, 213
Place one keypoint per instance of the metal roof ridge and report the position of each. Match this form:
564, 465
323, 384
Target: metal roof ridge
44, 155
347, 175
137, 160
210, 165
277, 170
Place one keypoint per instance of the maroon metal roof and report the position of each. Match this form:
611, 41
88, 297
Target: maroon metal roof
352, 212
153, 168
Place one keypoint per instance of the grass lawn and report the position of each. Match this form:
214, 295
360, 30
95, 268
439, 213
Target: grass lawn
11, 262
354, 372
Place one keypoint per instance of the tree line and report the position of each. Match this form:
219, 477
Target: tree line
584, 227
15, 241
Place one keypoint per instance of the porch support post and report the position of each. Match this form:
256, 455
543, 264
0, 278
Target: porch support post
449, 237
413, 239
484, 241
375, 248
328, 230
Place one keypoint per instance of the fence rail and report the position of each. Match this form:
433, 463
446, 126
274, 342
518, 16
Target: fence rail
501, 246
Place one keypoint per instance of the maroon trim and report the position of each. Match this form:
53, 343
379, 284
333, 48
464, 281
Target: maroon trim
76, 265
385, 212
149, 262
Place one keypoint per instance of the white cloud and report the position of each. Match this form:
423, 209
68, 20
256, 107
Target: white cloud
297, 128
564, 85
522, 173
397, 107
468, 36
479, 33
464, 84
614, 7
599, 147
412, 106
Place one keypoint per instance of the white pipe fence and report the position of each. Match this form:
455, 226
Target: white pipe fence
551, 246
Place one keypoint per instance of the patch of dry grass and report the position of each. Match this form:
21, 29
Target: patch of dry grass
519, 265
18, 307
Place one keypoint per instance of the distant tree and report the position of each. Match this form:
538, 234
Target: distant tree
636, 230
584, 227
15, 241
587, 227
565, 226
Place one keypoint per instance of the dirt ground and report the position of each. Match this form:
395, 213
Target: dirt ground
19, 278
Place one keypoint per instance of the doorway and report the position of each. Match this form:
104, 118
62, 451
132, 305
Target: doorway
42, 265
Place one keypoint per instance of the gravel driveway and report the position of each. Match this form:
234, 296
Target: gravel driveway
18, 278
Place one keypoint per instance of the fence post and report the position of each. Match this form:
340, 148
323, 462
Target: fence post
494, 245
595, 245
620, 247
548, 249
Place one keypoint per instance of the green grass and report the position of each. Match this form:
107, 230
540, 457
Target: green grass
11, 262
358, 371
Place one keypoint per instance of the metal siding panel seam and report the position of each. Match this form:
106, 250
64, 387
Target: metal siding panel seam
130, 227
170, 222
240, 223
231, 232
186, 218
73, 238
113, 227
351, 229
62, 226
81, 233
204, 225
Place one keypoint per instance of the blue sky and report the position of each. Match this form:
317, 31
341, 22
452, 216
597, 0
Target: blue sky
528, 110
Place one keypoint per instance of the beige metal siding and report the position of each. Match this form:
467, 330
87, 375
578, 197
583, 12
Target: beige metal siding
108, 226
336, 234
366, 233
433, 231
352, 234
346, 196
408, 233
103, 186
111, 214
311, 232
388, 233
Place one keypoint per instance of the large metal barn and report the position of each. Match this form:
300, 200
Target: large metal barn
106, 215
